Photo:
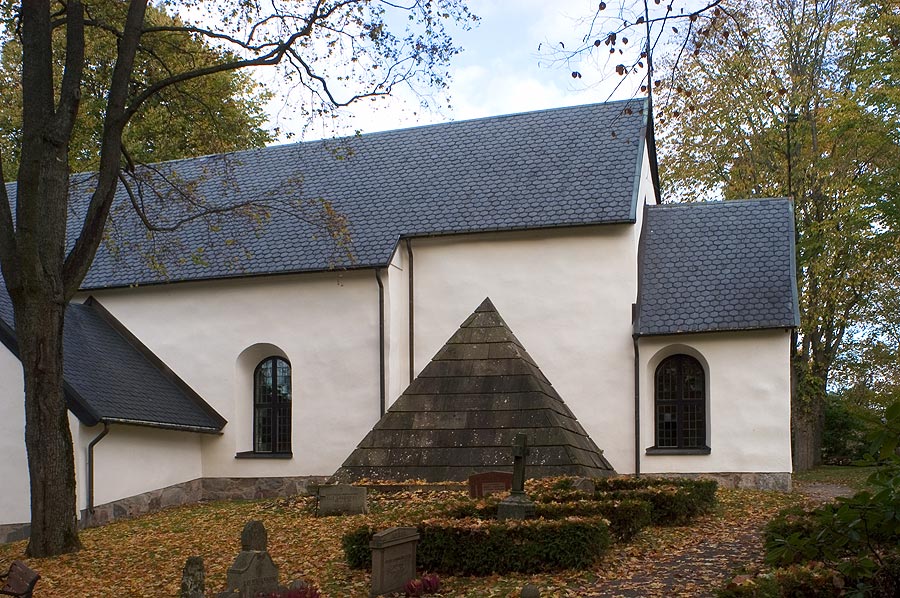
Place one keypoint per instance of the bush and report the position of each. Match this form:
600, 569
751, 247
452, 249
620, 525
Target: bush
796, 581
673, 502
855, 537
474, 547
790, 524
478, 547
626, 517
304, 592
356, 547
843, 438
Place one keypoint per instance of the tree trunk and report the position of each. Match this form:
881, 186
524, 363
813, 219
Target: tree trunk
48, 439
807, 420
806, 430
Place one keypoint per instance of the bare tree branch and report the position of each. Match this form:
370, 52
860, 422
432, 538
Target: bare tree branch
82, 254
7, 231
70, 90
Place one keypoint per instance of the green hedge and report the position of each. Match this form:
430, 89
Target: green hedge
626, 517
479, 547
356, 547
672, 501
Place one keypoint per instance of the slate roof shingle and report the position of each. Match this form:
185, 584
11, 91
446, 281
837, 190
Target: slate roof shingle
110, 377
551, 168
717, 266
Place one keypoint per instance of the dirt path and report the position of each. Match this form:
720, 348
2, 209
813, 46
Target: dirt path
704, 565
696, 571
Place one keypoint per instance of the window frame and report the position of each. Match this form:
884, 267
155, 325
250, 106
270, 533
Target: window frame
681, 405
281, 410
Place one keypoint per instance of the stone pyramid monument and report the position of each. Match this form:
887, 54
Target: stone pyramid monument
460, 415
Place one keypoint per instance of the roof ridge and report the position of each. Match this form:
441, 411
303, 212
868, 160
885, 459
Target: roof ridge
402, 129
717, 202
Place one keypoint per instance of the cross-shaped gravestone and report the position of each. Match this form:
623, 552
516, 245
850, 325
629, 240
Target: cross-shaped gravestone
517, 505
520, 452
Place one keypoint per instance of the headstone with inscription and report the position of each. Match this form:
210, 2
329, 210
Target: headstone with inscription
489, 482
393, 559
341, 499
253, 571
517, 505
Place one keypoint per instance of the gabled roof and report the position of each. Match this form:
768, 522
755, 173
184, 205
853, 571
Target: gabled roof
551, 168
717, 266
460, 415
109, 376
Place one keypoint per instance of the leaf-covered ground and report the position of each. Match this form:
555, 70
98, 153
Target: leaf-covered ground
144, 556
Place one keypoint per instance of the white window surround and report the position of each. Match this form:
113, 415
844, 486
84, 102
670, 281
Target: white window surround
652, 365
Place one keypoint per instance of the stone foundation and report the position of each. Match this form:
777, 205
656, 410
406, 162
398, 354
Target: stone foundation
774, 481
12, 532
202, 489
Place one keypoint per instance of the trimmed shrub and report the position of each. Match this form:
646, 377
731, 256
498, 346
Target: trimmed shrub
479, 547
356, 547
626, 517
476, 547
673, 501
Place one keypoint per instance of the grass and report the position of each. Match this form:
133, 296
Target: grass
844, 475
143, 557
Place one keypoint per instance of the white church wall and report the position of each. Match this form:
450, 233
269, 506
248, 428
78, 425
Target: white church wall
132, 460
565, 293
645, 196
326, 325
748, 401
15, 497
397, 325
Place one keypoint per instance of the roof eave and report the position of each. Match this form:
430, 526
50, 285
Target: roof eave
74, 401
644, 333
162, 425
151, 357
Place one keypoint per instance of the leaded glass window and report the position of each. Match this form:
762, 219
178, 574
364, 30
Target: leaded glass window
272, 406
680, 403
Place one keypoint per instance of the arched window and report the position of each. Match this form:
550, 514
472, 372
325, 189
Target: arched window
680, 403
272, 406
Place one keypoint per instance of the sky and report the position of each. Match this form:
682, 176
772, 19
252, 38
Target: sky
500, 71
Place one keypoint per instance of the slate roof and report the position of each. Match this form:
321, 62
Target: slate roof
109, 376
460, 415
717, 266
551, 168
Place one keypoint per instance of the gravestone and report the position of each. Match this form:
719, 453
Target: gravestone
393, 559
341, 499
517, 505
253, 570
585, 485
193, 578
530, 591
254, 536
489, 482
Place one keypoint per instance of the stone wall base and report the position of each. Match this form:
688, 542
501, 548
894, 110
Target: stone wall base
776, 481
11, 532
201, 489
205, 489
